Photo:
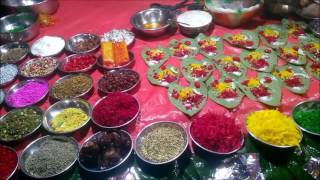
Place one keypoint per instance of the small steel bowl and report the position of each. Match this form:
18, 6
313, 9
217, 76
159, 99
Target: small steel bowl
6, 47
126, 125
38, 110
2, 95
59, 106
26, 20
131, 61
315, 104
69, 76
38, 44
100, 81
15, 87
314, 26
14, 78
67, 59
108, 170
161, 17
29, 62
35, 145
37, 6
16, 167
214, 152
150, 127
82, 37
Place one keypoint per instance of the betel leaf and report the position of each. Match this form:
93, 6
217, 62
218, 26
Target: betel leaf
160, 56
215, 92
203, 43
295, 29
189, 49
313, 68
190, 99
292, 54
269, 83
311, 47
294, 78
251, 40
163, 75
194, 70
279, 41
267, 55
230, 66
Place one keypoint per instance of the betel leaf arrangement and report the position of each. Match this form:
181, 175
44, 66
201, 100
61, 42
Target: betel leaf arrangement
292, 54
155, 56
209, 46
295, 29
163, 75
311, 47
194, 70
183, 48
244, 39
272, 35
230, 66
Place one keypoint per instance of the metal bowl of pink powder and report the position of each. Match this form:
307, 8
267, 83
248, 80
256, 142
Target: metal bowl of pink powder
27, 93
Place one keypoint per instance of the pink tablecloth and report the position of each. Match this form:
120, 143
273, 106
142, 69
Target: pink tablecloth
99, 16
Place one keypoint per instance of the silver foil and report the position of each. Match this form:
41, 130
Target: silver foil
118, 35
240, 167
313, 167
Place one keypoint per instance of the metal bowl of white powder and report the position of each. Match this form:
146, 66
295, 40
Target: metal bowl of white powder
48, 46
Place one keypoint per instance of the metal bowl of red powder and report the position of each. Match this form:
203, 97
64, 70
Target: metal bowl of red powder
8, 162
76, 63
116, 110
129, 64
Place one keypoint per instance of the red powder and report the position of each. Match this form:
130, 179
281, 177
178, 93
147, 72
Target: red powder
79, 62
8, 162
117, 109
293, 82
216, 132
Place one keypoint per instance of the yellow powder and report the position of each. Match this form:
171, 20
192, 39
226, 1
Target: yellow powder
284, 74
221, 86
208, 42
68, 120
290, 51
195, 67
255, 55
273, 127
155, 52
227, 59
165, 72
185, 92
268, 32
238, 37
253, 82
315, 46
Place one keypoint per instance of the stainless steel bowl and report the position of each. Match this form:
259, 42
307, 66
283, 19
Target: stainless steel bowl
2, 95
151, 127
67, 59
121, 126
115, 71
14, 78
4, 49
129, 64
314, 26
41, 47
29, 62
38, 110
37, 6
160, 17
59, 106
67, 77
16, 167
82, 37
105, 171
306, 105
214, 152
15, 87
27, 23
35, 145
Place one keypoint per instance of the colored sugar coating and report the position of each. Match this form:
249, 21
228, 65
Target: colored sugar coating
68, 120
217, 133
8, 162
308, 119
29, 93
79, 62
271, 126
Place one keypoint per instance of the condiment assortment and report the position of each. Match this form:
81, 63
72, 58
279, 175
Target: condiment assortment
39, 67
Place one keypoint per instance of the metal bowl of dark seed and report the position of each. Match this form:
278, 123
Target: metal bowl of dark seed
118, 80
13, 52
314, 26
49, 156
83, 43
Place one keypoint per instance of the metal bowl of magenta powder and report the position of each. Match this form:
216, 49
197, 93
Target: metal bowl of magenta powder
49, 157
161, 143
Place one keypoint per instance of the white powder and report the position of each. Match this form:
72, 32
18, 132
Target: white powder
48, 46
195, 18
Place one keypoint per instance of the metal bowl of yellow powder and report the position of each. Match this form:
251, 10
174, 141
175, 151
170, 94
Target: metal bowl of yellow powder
274, 129
67, 116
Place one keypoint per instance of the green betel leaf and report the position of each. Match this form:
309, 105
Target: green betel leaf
230, 66
224, 92
292, 54
155, 56
183, 48
244, 39
273, 36
163, 75
194, 70
262, 59
294, 78
265, 89
190, 99
209, 46
311, 47
295, 29
313, 68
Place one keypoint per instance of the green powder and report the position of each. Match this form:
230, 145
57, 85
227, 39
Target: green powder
308, 119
